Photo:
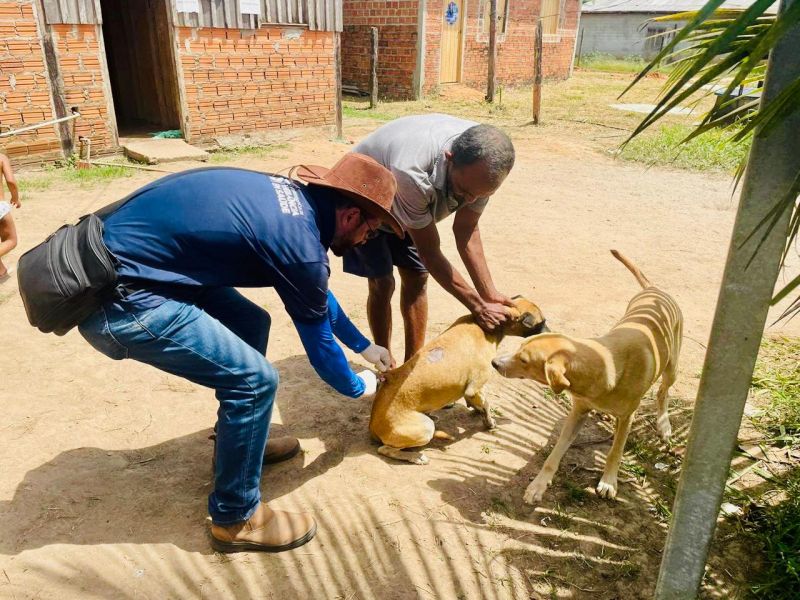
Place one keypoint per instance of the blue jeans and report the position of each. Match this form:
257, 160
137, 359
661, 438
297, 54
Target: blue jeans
218, 341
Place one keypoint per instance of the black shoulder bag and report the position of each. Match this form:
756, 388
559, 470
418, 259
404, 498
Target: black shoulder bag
69, 275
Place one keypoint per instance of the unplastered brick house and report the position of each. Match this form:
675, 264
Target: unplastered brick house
206, 67
426, 43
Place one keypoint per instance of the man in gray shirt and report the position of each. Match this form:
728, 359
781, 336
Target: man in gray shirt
443, 165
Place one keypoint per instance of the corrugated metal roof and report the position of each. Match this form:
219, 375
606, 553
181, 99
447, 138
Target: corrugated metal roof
658, 6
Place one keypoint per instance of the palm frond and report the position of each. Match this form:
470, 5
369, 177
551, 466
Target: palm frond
720, 51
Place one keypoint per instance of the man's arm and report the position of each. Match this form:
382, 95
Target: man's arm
470, 247
350, 336
343, 327
11, 182
327, 357
488, 314
303, 289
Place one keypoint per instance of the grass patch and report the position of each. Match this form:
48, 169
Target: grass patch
778, 530
92, 175
84, 178
773, 514
501, 507
712, 151
35, 183
641, 450
634, 469
360, 110
251, 151
776, 379
606, 63
575, 492
661, 510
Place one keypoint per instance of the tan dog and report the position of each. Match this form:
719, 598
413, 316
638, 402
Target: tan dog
609, 374
455, 364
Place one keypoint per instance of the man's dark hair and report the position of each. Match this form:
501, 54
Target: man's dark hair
486, 143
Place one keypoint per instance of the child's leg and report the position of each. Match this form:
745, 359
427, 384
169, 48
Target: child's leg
8, 239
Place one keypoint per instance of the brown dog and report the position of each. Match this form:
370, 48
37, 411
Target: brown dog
609, 374
455, 364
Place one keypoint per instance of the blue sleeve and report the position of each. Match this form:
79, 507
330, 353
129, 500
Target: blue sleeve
343, 327
327, 357
303, 287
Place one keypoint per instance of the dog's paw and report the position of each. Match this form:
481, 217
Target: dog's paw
489, 422
607, 489
418, 458
534, 492
664, 428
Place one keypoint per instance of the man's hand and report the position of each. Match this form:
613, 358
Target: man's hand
498, 298
370, 382
491, 315
379, 356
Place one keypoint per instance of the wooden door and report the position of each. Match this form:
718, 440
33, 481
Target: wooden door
453, 25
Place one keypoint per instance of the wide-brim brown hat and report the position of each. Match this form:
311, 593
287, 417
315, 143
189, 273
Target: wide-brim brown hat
366, 182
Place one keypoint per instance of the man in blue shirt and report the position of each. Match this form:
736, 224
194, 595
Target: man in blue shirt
183, 243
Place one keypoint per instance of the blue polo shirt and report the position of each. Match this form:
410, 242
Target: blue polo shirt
226, 227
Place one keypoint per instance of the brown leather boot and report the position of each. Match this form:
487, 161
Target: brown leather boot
278, 449
266, 531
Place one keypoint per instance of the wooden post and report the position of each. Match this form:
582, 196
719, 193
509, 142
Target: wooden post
492, 49
537, 74
337, 67
373, 69
56, 82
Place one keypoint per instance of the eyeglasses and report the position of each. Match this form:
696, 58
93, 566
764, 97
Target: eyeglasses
372, 233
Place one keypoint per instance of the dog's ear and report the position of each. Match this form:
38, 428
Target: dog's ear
529, 321
554, 372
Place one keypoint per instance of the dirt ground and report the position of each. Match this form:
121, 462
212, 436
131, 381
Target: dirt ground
105, 466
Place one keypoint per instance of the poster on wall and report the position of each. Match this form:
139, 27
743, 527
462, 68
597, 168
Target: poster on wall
187, 6
451, 13
250, 7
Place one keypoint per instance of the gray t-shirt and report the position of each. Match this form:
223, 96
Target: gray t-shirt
413, 148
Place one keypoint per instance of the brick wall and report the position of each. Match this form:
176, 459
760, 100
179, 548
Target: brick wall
24, 86
271, 78
434, 21
79, 54
356, 45
514, 48
557, 54
397, 45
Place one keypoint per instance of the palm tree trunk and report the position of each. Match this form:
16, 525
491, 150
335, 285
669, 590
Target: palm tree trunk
738, 327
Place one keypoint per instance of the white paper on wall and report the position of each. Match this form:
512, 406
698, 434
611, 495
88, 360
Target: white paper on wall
187, 6
250, 7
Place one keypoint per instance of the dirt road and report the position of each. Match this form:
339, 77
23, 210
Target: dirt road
105, 466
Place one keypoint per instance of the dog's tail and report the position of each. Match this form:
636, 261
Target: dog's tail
643, 281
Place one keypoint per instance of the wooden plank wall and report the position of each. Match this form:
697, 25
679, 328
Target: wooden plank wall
319, 15
80, 12
139, 53
218, 13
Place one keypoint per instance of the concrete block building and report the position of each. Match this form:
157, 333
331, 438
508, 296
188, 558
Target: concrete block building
427, 43
625, 28
206, 67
